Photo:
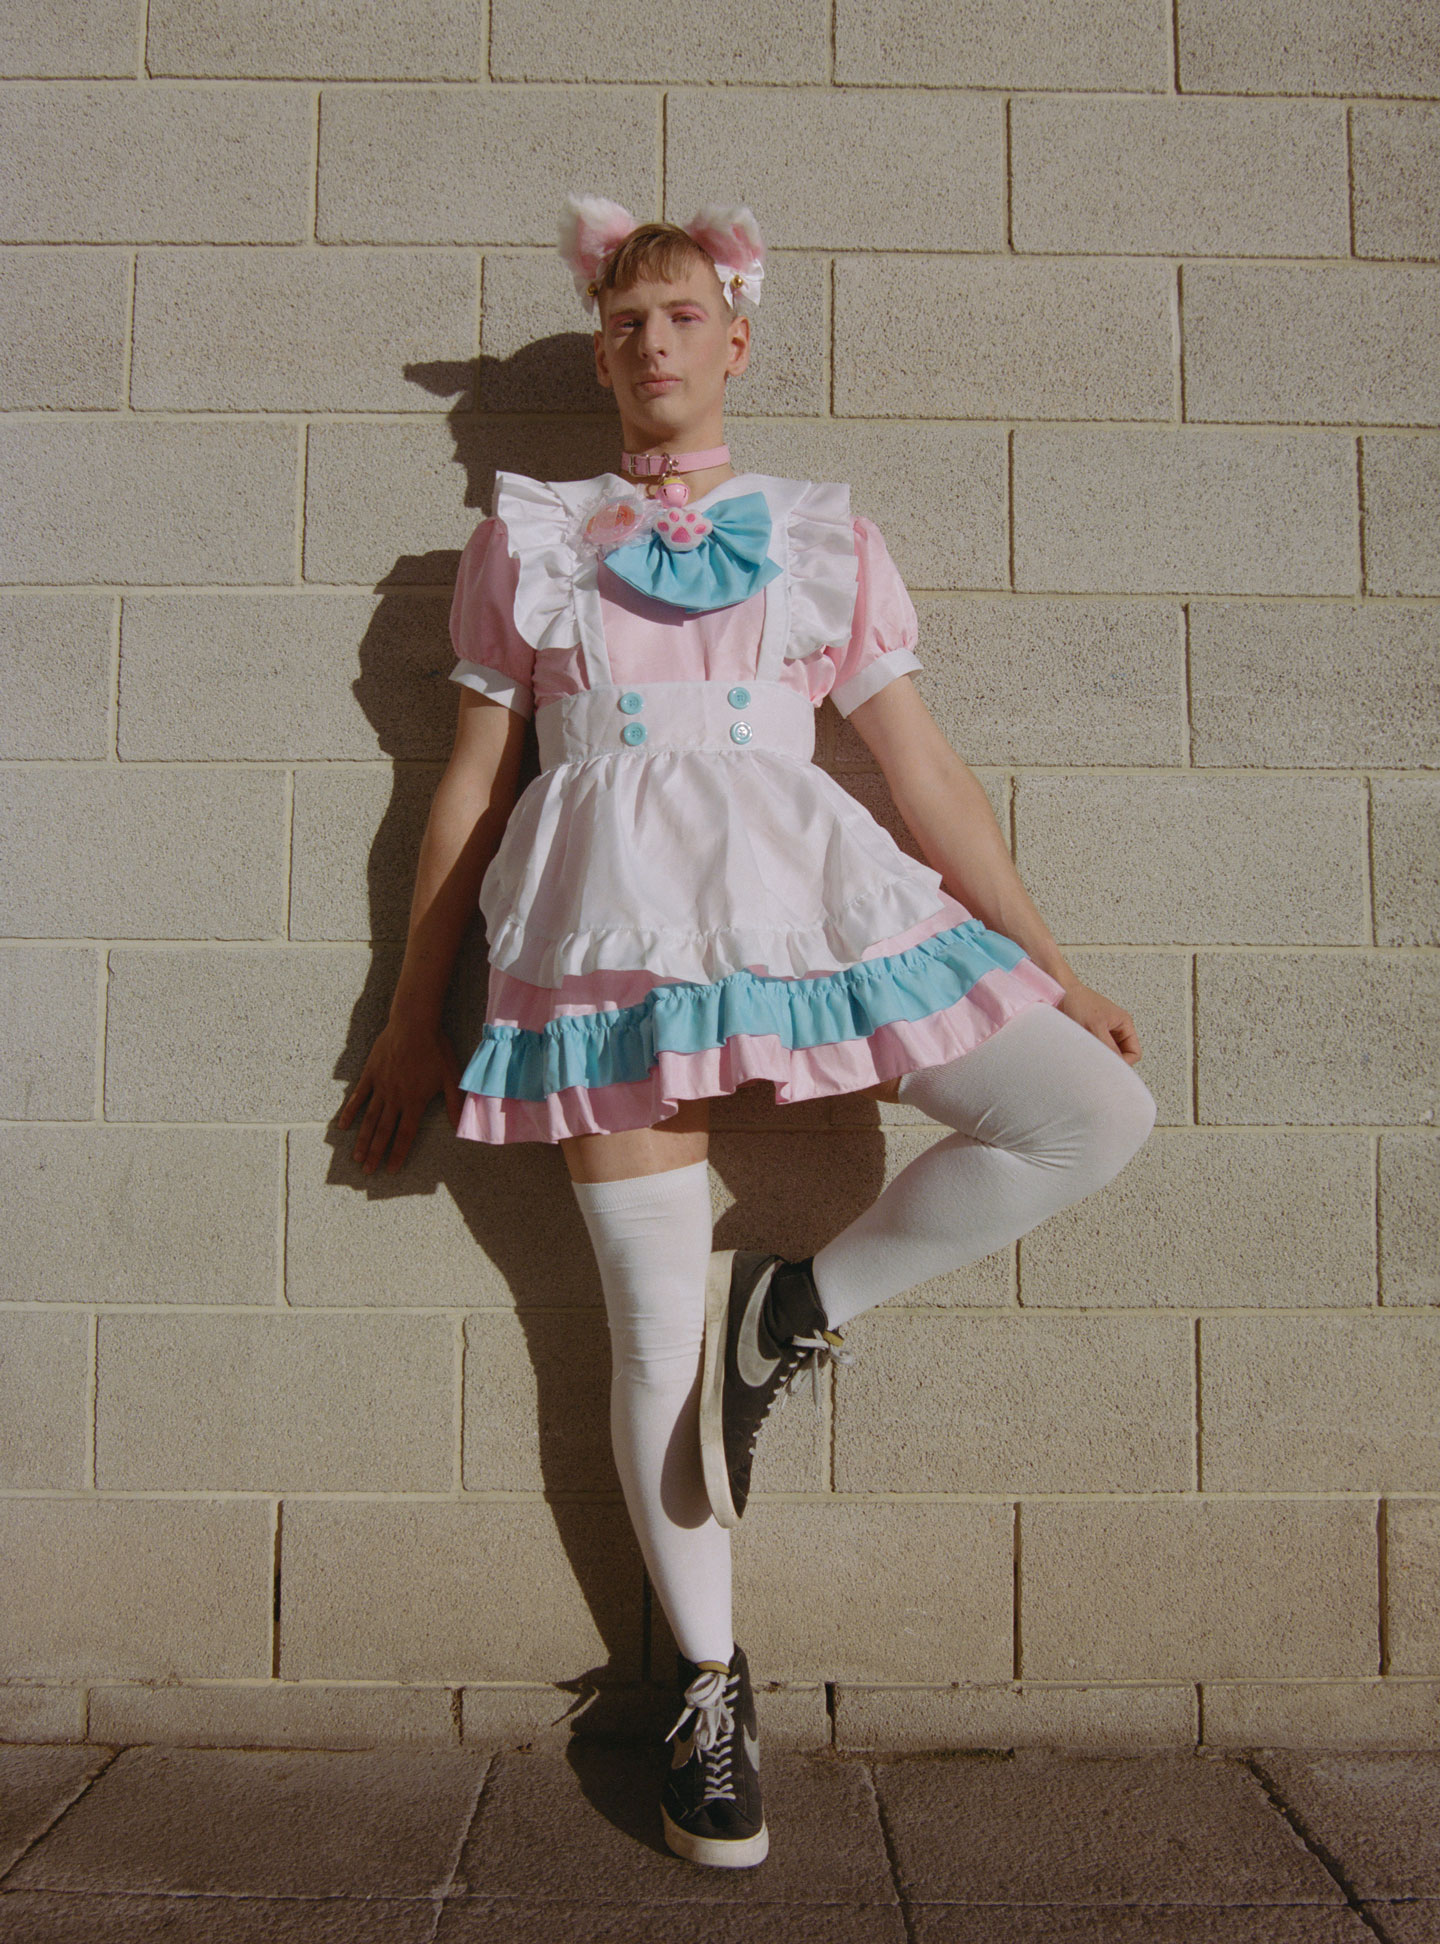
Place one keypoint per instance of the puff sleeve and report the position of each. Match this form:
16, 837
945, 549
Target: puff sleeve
883, 630
492, 655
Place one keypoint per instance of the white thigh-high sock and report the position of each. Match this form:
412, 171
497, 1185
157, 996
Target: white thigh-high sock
1045, 1114
651, 1236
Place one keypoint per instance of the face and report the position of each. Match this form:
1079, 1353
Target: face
666, 350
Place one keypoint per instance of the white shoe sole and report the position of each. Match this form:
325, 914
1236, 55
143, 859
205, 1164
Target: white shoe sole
712, 1389
732, 1855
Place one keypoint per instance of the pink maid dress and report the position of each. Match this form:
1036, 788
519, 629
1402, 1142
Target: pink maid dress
682, 901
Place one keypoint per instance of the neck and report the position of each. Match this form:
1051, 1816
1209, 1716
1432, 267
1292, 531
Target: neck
695, 438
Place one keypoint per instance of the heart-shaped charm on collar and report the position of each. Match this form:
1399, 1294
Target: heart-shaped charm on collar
681, 528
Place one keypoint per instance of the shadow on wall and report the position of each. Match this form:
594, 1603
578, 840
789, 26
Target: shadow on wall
541, 412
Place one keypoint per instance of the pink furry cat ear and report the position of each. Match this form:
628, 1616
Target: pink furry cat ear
731, 238
591, 229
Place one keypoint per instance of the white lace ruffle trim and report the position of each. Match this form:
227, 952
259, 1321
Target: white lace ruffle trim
813, 542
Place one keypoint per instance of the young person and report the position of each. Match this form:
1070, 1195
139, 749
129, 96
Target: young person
682, 901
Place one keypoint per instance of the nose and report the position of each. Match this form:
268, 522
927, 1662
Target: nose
655, 334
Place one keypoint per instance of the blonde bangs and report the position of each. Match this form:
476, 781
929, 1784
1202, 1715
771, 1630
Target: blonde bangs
661, 252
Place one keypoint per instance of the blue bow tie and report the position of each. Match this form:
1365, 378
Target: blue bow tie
729, 564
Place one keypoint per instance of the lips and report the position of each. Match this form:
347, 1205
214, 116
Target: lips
656, 385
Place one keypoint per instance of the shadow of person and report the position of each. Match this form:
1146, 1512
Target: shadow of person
543, 413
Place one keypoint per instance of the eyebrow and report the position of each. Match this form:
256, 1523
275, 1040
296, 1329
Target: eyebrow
674, 303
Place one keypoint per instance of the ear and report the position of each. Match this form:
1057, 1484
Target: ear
739, 335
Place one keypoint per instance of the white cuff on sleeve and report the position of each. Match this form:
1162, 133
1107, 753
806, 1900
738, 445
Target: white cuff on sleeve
897, 661
494, 683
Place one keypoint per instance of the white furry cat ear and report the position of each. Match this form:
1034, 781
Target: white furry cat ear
591, 229
731, 238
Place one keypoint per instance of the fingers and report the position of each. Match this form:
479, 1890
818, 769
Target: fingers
1127, 1040
404, 1134
362, 1087
366, 1130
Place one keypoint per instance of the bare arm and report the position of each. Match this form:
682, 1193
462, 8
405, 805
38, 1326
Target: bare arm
944, 806
412, 1060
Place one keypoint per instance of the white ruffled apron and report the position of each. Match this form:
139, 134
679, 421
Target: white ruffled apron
682, 827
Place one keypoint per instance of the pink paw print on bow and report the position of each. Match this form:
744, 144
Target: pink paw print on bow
681, 528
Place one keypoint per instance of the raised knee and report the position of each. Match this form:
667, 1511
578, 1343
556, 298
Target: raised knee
1123, 1117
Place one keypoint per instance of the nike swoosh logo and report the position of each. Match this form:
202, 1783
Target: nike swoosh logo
684, 1749
752, 1749
754, 1369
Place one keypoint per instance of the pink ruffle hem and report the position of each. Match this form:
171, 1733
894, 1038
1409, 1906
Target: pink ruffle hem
807, 1073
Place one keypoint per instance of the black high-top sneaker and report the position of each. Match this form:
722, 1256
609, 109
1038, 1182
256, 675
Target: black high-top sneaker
710, 1803
764, 1327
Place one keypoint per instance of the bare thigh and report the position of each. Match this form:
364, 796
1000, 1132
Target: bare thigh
674, 1143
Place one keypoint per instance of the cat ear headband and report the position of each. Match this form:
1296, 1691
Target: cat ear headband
592, 229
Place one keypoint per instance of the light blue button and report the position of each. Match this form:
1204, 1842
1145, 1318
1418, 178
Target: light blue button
632, 733
632, 703
738, 698
741, 732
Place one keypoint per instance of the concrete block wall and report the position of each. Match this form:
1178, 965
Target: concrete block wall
1121, 319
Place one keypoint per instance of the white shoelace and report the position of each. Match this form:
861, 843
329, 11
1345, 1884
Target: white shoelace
822, 1352
710, 1697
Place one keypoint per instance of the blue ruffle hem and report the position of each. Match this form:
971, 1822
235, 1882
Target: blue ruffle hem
604, 1049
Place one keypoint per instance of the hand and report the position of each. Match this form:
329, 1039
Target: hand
1103, 1018
407, 1067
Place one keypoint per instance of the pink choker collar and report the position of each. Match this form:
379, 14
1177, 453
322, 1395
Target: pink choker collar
667, 466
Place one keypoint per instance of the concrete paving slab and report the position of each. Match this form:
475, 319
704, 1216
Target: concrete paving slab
248, 1822
471, 1921
1407, 1923
1378, 1816
54, 1917
588, 1828
1038, 1828
36, 1784
1138, 1924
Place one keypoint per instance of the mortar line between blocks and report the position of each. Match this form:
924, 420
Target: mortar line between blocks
1187, 672
1361, 537
830, 326
1177, 320
1349, 173
112, 700
92, 1394
1010, 509
662, 136
1172, 30
1382, 1565
313, 187
1017, 1655
1199, 1451
282, 1220
142, 51
1368, 873
1377, 1225
275, 1543
127, 360
459, 1339
1193, 998
1007, 187
302, 481
287, 855
102, 1030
